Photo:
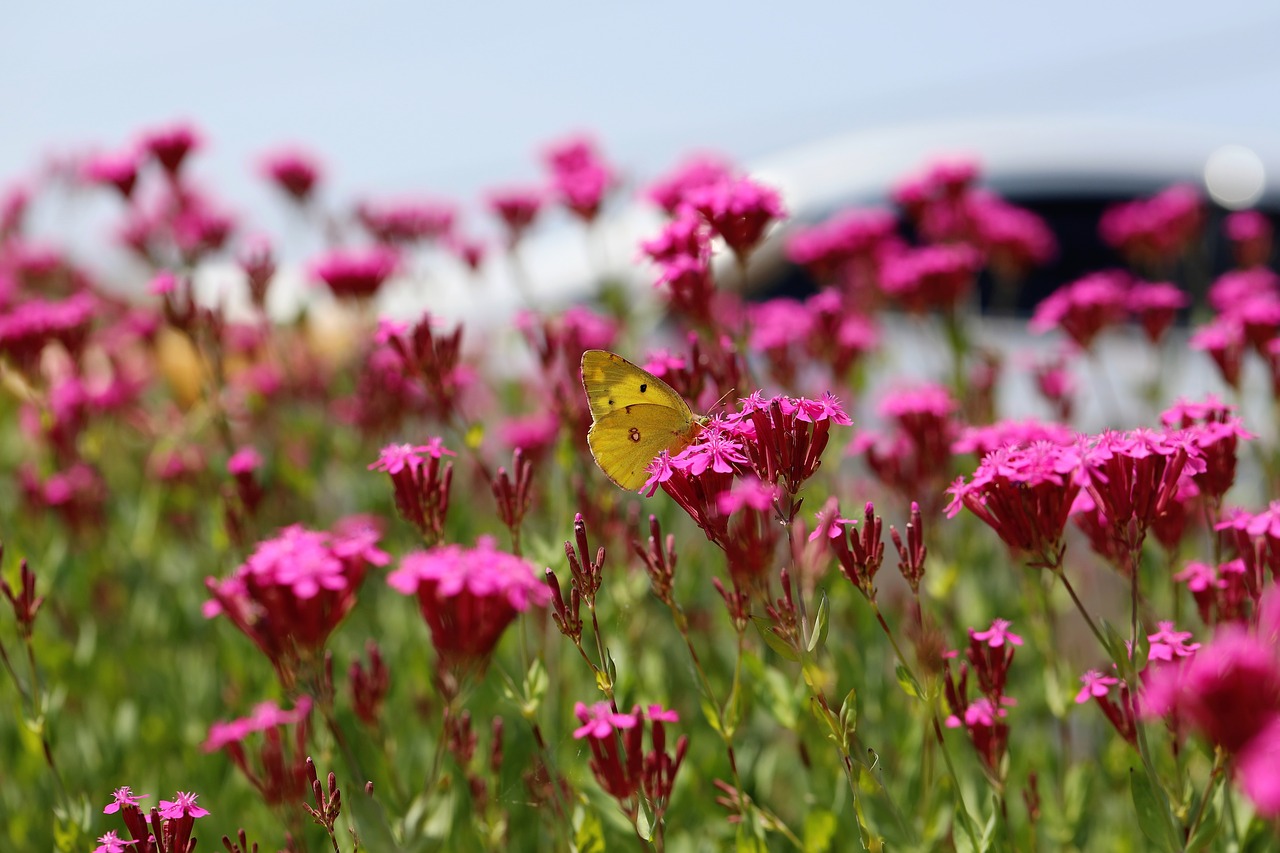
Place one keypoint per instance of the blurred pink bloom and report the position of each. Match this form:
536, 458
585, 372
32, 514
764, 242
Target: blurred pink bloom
278, 773
295, 171
1224, 340
1013, 239
26, 329
119, 170
1250, 233
671, 191
171, 145
825, 249
1155, 230
406, 221
1084, 307
1156, 305
580, 176
246, 460
517, 207
355, 273
981, 440
1239, 287
931, 277
739, 211
600, 721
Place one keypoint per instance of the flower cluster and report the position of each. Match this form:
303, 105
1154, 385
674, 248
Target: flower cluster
165, 829
277, 773
988, 656
468, 597
618, 759
1156, 231
294, 589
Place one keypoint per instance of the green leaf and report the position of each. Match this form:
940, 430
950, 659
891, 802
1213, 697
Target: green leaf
779, 645
1210, 821
588, 833
821, 623
1153, 812
712, 716
849, 710
908, 682
820, 828
644, 822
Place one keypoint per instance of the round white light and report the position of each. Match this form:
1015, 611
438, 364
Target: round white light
1234, 176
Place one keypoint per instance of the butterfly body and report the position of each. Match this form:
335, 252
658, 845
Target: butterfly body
634, 417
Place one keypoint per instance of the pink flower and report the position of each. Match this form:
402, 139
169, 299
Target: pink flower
280, 777
1096, 685
468, 596
407, 221
1013, 239
600, 721
112, 843
355, 273
930, 277
1170, 645
851, 235
421, 484
1156, 306
118, 170
1025, 494
1121, 713
244, 461
27, 328
123, 797
739, 210
671, 191
1250, 234
293, 590
1224, 340
182, 805
295, 171
1154, 230
517, 207
171, 145
981, 440
1255, 768
1240, 287
1085, 307
580, 176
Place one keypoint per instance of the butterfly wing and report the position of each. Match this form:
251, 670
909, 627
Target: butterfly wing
625, 441
635, 416
613, 383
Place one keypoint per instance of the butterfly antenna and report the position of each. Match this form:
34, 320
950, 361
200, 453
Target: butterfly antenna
726, 395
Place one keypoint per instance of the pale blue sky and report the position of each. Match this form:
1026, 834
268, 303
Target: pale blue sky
453, 97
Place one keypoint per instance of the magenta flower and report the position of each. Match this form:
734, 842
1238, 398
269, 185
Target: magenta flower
1133, 478
26, 329
1156, 230
580, 176
1025, 494
246, 460
122, 798
355, 273
1240, 287
600, 721
294, 171
1156, 305
293, 590
1250, 234
468, 597
618, 759
1084, 307
1169, 645
1012, 238
848, 237
981, 440
118, 170
1216, 430
1224, 340
421, 484
739, 211
931, 277
276, 772
860, 553
517, 207
1121, 713
112, 843
171, 145
1255, 769
671, 191
406, 221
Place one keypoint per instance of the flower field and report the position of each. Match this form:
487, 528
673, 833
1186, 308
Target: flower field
281, 582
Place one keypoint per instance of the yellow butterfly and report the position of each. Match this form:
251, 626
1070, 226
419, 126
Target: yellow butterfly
634, 417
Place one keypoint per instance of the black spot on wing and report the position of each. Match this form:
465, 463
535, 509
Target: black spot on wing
644, 386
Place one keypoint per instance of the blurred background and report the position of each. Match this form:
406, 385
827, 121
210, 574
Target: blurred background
831, 101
